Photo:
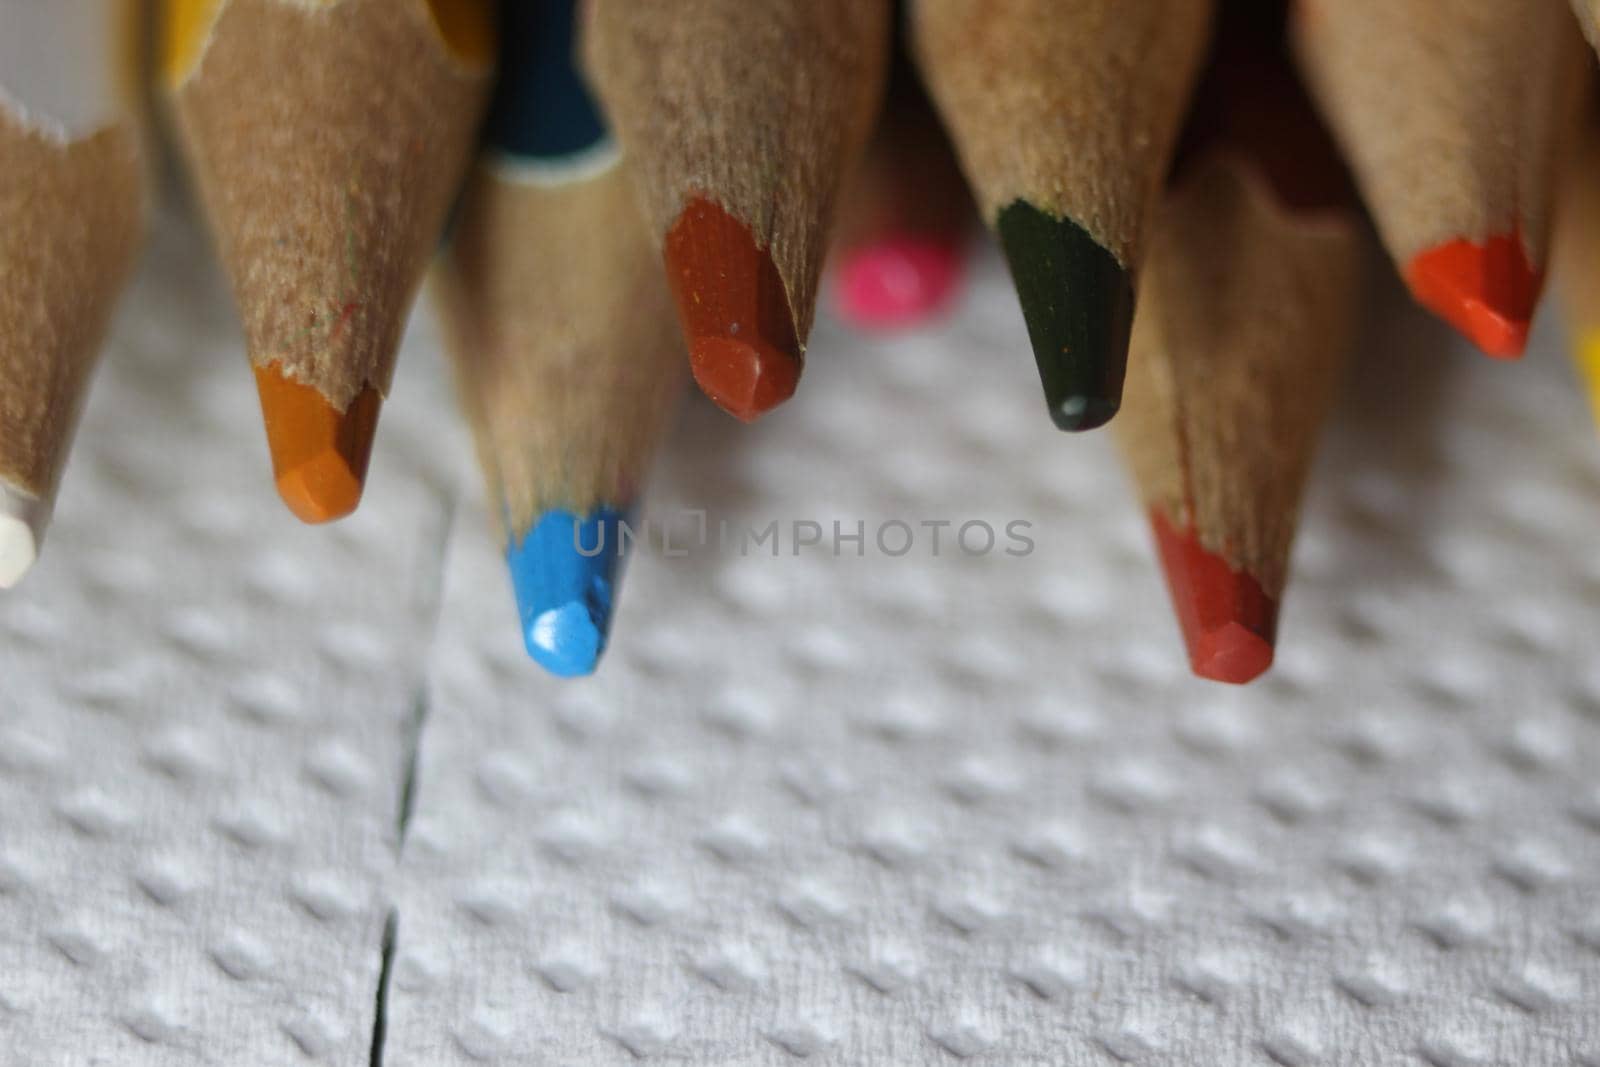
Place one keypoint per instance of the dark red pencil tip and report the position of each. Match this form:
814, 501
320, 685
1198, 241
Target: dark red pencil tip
1229, 623
1487, 291
745, 380
735, 312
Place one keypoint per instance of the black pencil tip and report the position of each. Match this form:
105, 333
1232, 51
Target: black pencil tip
1078, 303
1078, 413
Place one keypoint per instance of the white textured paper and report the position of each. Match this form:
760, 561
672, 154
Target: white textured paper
204, 714
842, 811
916, 810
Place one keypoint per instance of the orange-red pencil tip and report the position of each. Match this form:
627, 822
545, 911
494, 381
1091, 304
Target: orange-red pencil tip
735, 312
1487, 291
319, 454
1229, 623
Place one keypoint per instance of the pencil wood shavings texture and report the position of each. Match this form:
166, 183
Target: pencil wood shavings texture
1244, 326
741, 118
1451, 113
1065, 115
71, 217
327, 141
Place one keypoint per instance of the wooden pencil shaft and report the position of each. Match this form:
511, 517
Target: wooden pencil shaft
563, 340
1450, 111
326, 144
759, 106
1244, 325
1070, 105
557, 314
1250, 296
1577, 245
71, 217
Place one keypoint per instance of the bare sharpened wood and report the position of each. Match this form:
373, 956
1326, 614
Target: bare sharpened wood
1450, 111
71, 217
1070, 105
327, 143
1243, 327
760, 106
565, 345
1577, 244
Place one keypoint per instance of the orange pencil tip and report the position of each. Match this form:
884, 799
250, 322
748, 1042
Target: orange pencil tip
1487, 291
1229, 623
319, 454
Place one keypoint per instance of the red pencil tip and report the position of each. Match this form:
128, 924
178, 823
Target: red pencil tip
745, 380
1229, 623
1486, 291
734, 310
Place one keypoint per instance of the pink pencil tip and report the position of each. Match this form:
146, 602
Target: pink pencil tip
897, 282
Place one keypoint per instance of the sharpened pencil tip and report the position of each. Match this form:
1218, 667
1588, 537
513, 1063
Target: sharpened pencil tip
565, 573
745, 380
897, 282
1075, 414
734, 311
23, 519
319, 454
1486, 291
1078, 303
1229, 623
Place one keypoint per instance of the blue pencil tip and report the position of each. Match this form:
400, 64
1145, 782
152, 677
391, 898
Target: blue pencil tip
565, 573
567, 640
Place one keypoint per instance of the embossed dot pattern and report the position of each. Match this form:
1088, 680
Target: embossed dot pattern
973, 809
202, 717
857, 811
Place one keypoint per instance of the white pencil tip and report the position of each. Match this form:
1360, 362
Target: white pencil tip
22, 523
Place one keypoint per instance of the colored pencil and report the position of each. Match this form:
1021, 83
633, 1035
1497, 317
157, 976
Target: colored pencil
1577, 259
327, 141
904, 219
1064, 114
1451, 114
562, 330
71, 219
1250, 290
740, 119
